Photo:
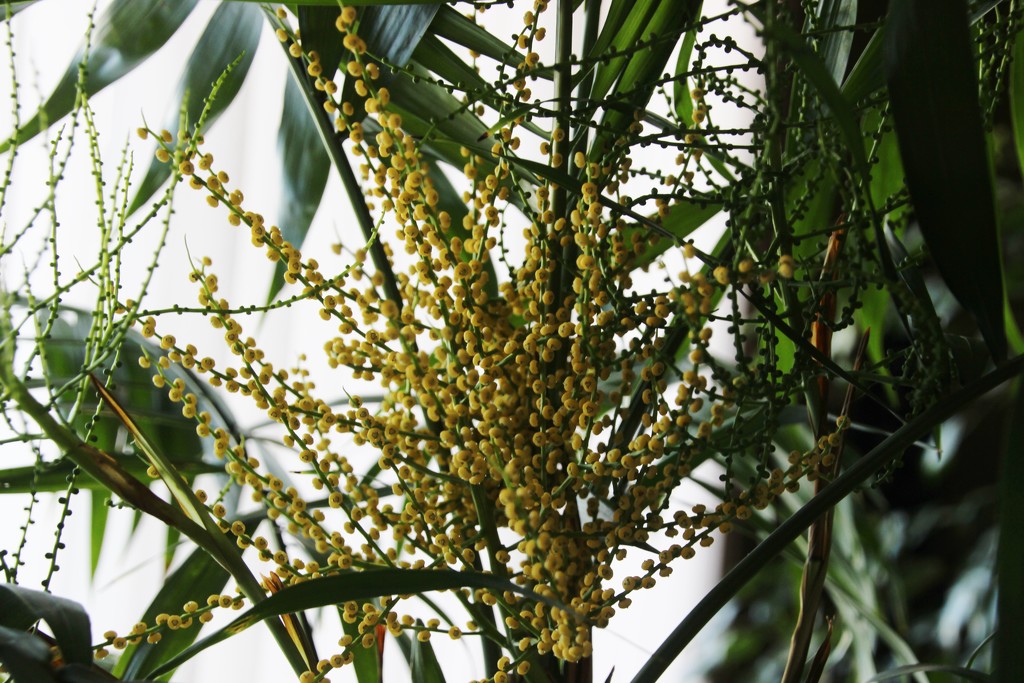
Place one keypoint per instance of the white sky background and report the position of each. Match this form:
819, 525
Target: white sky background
244, 144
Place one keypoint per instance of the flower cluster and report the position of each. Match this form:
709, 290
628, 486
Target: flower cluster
537, 416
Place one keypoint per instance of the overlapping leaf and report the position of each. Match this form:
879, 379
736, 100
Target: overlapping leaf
423, 663
198, 576
230, 37
930, 69
339, 588
126, 34
835, 16
21, 607
390, 32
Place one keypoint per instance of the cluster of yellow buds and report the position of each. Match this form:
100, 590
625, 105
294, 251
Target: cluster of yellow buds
533, 426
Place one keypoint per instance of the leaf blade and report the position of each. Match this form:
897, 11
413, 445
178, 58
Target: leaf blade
233, 33
198, 575
929, 66
22, 607
305, 168
423, 662
127, 33
332, 590
451, 25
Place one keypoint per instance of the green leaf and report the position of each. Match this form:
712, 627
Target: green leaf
818, 210
818, 76
392, 33
319, 34
423, 662
680, 87
78, 673
451, 25
19, 5
930, 69
836, 16
355, 3
126, 34
364, 659
621, 31
636, 78
868, 74
21, 607
339, 588
233, 33
25, 656
65, 355
54, 477
305, 167
684, 216
838, 104
171, 546
198, 577
1009, 664
435, 115
98, 514
385, 30
434, 56
747, 568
